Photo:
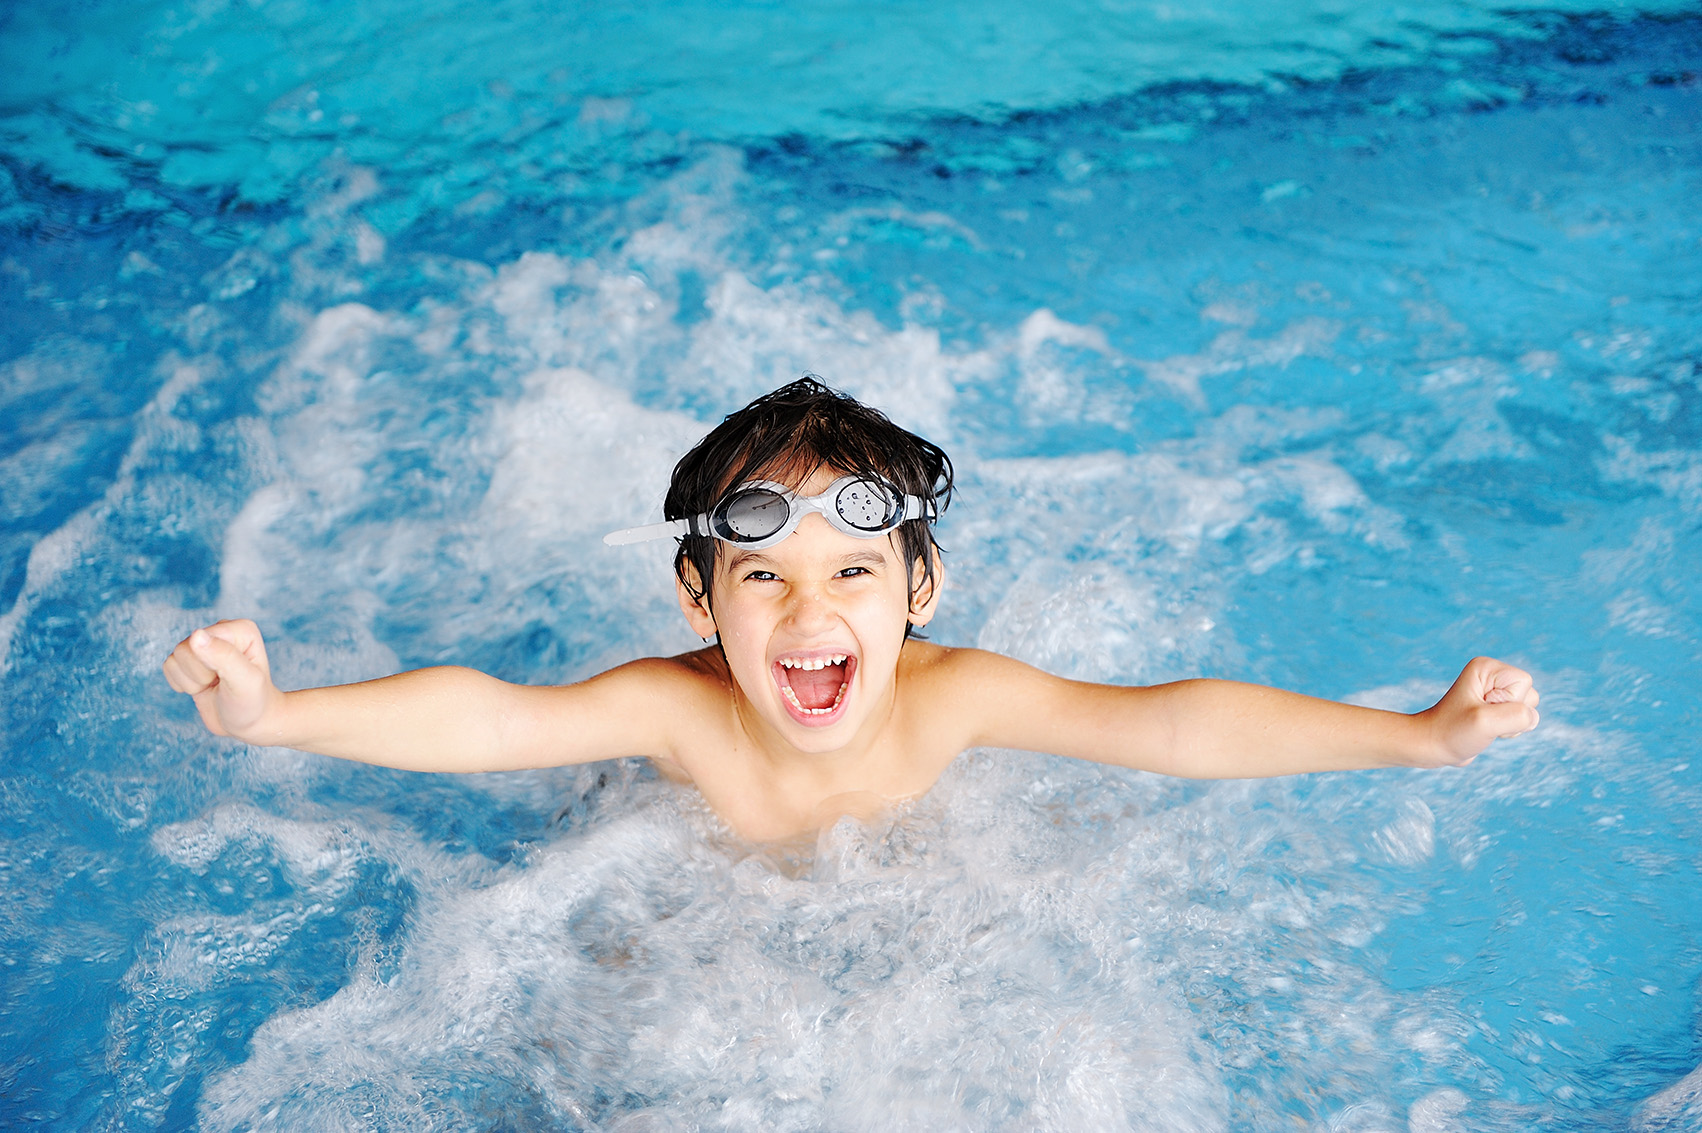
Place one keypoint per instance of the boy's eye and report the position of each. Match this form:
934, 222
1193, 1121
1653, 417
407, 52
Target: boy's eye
761, 576
853, 572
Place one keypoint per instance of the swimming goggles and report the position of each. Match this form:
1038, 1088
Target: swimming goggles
760, 513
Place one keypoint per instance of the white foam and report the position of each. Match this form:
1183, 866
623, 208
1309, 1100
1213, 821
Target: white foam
1676, 1109
1469, 390
1636, 575
1412, 695
318, 857
1410, 839
1060, 371
157, 431
1233, 351
715, 991
566, 453
759, 338
1126, 583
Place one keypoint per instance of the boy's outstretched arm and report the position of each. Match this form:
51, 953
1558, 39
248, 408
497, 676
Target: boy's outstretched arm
1209, 729
440, 719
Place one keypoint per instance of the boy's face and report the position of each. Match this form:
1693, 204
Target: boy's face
812, 628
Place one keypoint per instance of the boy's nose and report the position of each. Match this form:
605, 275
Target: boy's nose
810, 606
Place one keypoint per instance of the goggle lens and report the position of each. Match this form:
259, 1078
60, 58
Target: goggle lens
865, 505
755, 513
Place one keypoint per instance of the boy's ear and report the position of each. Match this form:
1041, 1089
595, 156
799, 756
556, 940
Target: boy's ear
696, 610
925, 599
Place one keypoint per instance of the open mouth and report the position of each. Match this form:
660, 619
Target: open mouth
814, 688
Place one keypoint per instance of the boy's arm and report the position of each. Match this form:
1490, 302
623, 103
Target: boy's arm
1209, 729
440, 719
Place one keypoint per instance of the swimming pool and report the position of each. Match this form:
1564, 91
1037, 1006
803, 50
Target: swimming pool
1322, 348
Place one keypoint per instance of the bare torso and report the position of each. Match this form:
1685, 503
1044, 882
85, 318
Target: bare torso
767, 792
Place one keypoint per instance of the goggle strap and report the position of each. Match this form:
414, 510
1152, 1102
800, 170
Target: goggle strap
916, 508
652, 531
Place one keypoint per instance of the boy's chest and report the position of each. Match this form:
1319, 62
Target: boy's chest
765, 799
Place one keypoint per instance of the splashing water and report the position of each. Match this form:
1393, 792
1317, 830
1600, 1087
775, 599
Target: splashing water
1317, 348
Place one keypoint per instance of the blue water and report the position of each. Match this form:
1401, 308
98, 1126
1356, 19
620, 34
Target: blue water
1317, 344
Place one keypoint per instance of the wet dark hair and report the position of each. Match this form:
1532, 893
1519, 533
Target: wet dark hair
788, 434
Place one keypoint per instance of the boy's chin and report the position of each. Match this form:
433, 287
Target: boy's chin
816, 735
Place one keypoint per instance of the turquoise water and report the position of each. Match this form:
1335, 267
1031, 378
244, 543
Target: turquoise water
1325, 346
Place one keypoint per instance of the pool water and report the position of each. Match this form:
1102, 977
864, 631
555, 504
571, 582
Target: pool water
1320, 344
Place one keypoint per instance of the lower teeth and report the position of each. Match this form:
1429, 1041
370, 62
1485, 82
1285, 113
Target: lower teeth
793, 697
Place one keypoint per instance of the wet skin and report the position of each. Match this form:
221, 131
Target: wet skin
870, 718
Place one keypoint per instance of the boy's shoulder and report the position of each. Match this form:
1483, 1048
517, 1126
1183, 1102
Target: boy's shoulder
923, 660
701, 670
967, 698
652, 706
961, 681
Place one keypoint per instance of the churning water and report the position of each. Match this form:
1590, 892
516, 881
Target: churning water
1307, 343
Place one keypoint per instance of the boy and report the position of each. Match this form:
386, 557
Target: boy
807, 557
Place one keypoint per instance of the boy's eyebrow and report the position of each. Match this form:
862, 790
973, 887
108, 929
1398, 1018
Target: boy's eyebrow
738, 559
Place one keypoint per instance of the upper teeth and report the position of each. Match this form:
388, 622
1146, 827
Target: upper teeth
812, 662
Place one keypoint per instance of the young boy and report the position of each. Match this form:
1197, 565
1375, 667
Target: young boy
806, 556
